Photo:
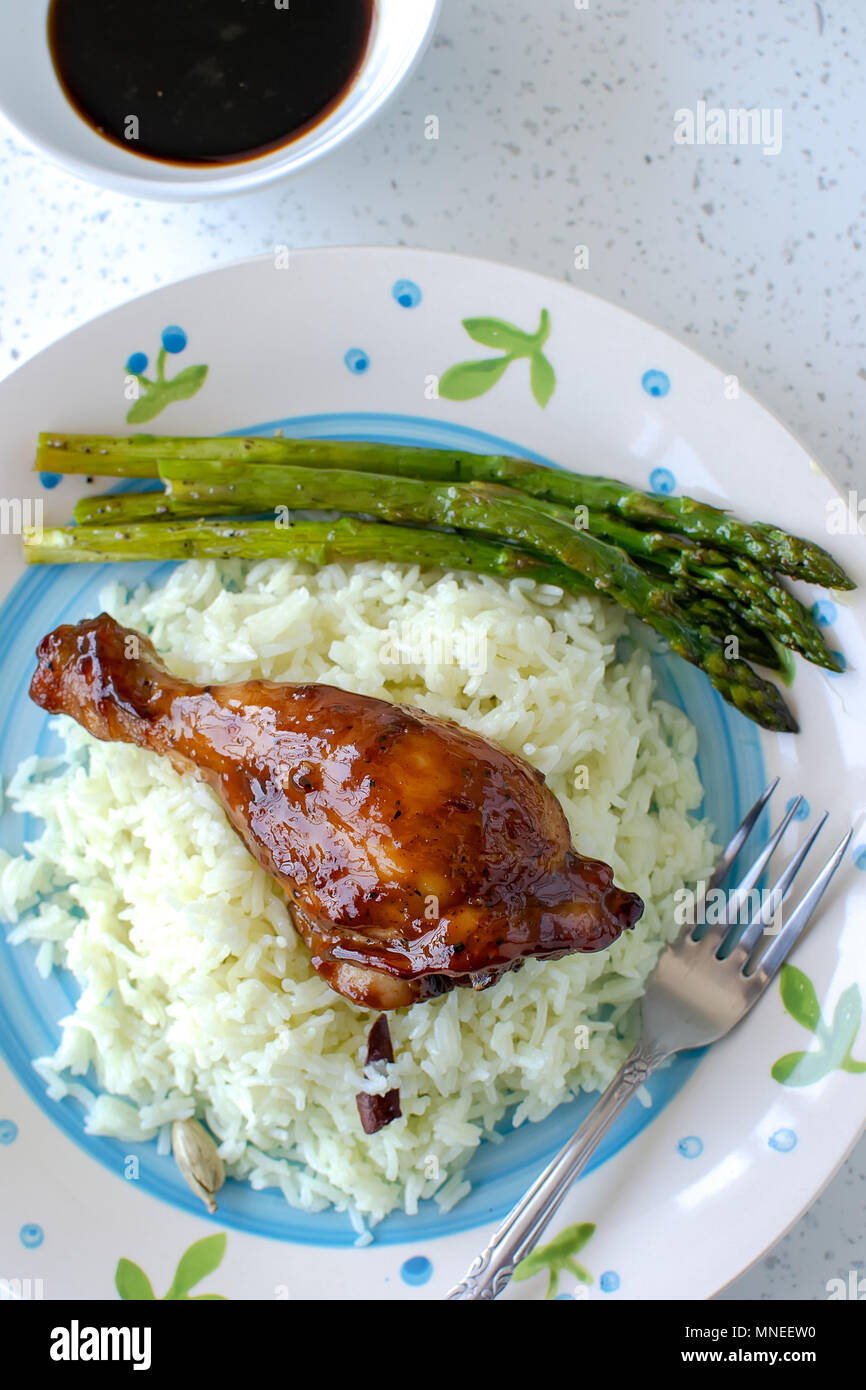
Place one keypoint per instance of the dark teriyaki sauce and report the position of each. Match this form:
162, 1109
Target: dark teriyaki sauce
206, 81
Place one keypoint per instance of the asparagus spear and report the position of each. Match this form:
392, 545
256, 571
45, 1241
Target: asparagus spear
606, 568
754, 644
137, 456
318, 542
768, 605
122, 508
324, 542
762, 603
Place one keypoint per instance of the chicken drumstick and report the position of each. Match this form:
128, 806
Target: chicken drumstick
416, 855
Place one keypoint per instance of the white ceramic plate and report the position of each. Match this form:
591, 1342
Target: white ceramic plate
352, 343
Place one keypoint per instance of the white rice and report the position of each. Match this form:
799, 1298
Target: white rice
196, 995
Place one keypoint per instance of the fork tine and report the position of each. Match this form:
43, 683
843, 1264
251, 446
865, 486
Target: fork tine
751, 876
749, 939
782, 945
717, 936
740, 836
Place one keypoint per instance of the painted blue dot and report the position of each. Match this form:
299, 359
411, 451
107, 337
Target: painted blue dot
824, 612
802, 810
656, 383
173, 338
563, 1298
662, 480
609, 1281
407, 294
357, 361
50, 480
784, 1140
416, 1271
860, 858
137, 363
842, 663
8, 1131
691, 1147
31, 1236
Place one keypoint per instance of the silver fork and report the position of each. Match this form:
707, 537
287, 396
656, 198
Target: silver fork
703, 984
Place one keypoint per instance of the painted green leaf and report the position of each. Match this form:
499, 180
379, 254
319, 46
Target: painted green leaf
558, 1255
186, 383
846, 1023
146, 407
165, 393
467, 380
496, 333
470, 379
132, 1283
199, 1260
837, 1040
582, 1275
542, 378
801, 1068
785, 1066
207, 1297
533, 1264
569, 1241
799, 997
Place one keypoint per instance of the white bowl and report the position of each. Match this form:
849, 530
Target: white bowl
34, 103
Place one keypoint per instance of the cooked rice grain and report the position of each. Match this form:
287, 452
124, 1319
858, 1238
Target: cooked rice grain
196, 995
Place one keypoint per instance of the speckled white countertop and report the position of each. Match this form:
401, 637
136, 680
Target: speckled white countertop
556, 130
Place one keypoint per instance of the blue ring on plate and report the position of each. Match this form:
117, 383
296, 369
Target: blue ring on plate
731, 767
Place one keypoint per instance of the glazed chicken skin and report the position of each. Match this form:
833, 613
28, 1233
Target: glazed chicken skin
416, 855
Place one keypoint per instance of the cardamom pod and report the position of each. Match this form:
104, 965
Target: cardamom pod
198, 1159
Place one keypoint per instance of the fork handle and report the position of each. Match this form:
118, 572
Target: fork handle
491, 1271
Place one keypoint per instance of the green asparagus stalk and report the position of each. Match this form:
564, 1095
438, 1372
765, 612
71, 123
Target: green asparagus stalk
608, 570
767, 605
349, 539
754, 644
317, 542
761, 598
763, 601
769, 546
770, 606
717, 594
53, 457
123, 509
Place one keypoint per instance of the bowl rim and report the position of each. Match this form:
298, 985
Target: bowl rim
243, 177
